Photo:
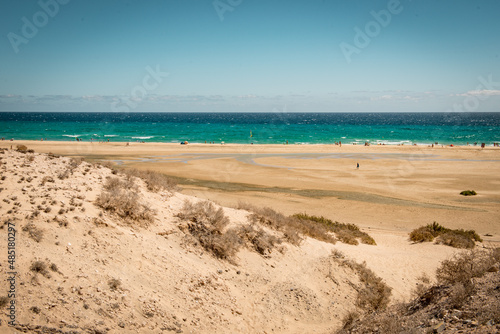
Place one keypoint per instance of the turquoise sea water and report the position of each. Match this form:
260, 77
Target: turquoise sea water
257, 128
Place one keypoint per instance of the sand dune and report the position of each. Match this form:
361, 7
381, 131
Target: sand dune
166, 283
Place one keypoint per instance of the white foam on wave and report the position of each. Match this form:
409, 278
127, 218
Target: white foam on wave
142, 137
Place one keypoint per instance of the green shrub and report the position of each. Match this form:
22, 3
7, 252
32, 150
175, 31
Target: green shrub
468, 193
455, 238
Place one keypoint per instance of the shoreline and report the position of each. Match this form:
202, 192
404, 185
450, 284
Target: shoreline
5, 142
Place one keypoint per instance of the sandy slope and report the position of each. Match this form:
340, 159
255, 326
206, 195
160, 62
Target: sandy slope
166, 283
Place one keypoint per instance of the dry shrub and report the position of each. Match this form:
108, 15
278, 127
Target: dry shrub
40, 267
118, 197
64, 174
289, 226
375, 294
454, 238
75, 162
422, 286
262, 241
21, 148
386, 323
47, 179
116, 184
349, 320
204, 213
72, 165
114, 284
346, 233
154, 181
464, 266
4, 300
457, 240
459, 294
206, 224
34, 232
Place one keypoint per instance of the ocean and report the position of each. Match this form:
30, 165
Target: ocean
257, 128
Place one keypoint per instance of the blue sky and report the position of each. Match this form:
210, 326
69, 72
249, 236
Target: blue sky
244, 55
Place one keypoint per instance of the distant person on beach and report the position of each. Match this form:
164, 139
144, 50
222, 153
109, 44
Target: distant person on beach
357, 165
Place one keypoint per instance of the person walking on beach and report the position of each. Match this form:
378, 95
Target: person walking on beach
357, 165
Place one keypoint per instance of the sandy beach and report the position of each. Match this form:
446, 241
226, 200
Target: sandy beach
394, 190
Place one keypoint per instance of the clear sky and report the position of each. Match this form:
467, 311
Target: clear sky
250, 55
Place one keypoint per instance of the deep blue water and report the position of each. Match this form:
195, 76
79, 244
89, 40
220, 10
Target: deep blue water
258, 128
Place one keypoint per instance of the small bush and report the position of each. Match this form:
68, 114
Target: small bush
468, 193
154, 181
114, 284
464, 266
35, 309
457, 240
375, 294
262, 241
4, 300
34, 232
21, 148
346, 233
206, 224
40, 267
54, 267
118, 197
454, 238
349, 319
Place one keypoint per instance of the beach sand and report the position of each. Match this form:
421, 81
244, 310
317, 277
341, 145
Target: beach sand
395, 189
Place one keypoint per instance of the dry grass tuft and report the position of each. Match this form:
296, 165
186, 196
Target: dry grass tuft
34, 232
260, 240
122, 198
346, 233
374, 295
72, 165
454, 238
154, 181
